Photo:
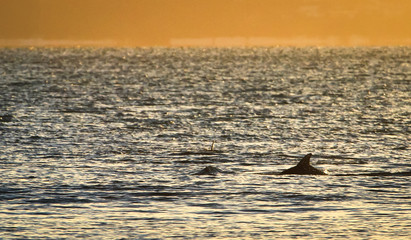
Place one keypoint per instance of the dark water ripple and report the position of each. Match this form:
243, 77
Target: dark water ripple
104, 143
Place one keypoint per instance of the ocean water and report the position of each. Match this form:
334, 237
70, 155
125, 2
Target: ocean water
105, 143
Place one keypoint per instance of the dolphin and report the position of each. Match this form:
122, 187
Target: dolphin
304, 168
209, 170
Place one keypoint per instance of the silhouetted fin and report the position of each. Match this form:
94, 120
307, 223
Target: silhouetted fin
305, 162
210, 170
304, 168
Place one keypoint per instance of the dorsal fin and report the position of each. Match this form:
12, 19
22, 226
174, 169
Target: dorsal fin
305, 161
304, 168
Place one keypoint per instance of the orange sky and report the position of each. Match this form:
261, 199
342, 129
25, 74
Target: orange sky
205, 22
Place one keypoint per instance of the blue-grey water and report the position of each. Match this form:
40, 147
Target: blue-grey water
105, 143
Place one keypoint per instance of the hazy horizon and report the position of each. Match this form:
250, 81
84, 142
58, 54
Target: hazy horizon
204, 23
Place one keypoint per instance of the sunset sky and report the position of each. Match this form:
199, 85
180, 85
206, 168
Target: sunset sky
205, 22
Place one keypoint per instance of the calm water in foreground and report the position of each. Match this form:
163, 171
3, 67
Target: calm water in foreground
104, 143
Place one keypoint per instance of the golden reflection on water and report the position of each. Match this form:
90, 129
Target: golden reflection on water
104, 149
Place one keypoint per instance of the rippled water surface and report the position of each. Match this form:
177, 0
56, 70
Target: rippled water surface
105, 143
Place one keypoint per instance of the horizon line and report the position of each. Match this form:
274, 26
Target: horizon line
301, 41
